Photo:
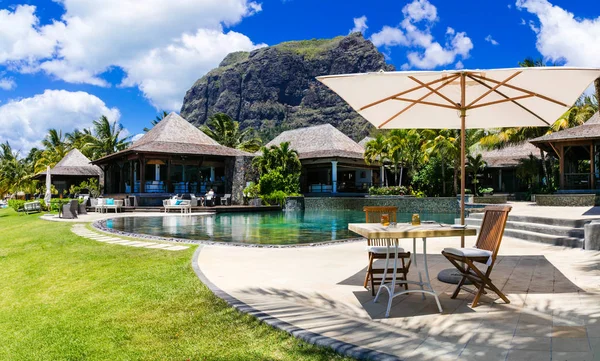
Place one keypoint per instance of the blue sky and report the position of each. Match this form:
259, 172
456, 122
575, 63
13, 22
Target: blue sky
63, 63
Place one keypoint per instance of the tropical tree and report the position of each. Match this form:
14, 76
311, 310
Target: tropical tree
376, 150
80, 139
157, 120
528, 169
475, 165
445, 144
227, 132
14, 172
55, 148
106, 138
279, 168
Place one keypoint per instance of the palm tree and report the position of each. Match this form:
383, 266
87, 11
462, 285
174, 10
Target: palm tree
226, 131
376, 150
157, 120
106, 138
281, 158
14, 173
528, 169
475, 164
80, 139
55, 149
445, 144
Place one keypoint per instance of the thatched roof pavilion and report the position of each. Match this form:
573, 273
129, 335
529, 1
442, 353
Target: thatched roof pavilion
365, 140
331, 160
577, 151
509, 156
73, 169
173, 157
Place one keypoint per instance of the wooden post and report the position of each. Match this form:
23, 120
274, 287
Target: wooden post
168, 181
131, 182
121, 178
142, 175
592, 167
561, 160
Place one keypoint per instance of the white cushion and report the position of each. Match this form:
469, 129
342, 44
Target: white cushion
470, 252
383, 249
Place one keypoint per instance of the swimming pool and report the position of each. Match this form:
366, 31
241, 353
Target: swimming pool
257, 227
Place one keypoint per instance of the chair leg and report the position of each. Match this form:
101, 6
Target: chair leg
369, 270
405, 273
458, 287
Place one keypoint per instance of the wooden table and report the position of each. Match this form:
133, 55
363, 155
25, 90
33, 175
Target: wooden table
392, 234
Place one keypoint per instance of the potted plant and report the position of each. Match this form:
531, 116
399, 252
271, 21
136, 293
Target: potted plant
251, 193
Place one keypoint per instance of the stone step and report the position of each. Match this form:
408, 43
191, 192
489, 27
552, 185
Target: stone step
536, 228
561, 222
542, 238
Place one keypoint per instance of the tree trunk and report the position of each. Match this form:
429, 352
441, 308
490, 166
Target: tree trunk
545, 168
443, 178
456, 180
401, 171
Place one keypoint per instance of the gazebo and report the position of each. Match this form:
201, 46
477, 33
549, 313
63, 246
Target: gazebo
175, 157
331, 161
501, 167
577, 152
73, 169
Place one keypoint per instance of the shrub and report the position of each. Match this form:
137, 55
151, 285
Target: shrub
388, 191
275, 181
16, 204
277, 197
252, 190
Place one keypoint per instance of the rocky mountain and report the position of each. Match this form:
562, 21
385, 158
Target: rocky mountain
274, 88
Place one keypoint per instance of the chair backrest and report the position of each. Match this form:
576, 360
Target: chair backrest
492, 228
74, 205
373, 213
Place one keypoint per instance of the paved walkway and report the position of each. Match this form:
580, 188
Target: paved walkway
532, 209
93, 216
81, 230
554, 312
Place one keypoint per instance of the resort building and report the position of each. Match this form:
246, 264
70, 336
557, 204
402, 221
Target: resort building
332, 163
577, 150
73, 169
501, 170
175, 157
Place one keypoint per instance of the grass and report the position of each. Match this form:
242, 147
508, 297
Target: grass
64, 297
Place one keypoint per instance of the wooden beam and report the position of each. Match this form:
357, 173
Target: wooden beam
434, 90
555, 150
501, 101
494, 89
506, 96
415, 103
561, 162
406, 92
592, 166
521, 90
426, 103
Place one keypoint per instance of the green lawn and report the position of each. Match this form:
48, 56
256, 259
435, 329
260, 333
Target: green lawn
63, 297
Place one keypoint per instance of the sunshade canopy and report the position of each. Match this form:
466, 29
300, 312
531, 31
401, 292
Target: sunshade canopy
493, 98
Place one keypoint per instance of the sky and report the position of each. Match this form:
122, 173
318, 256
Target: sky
64, 63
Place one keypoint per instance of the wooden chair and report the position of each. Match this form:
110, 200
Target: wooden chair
485, 251
377, 250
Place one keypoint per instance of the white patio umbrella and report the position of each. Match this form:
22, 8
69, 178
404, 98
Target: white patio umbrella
48, 195
463, 99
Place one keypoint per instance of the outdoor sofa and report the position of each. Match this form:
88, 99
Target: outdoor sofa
183, 205
31, 207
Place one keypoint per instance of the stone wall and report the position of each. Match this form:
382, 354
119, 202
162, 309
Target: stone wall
566, 200
294, 204
490, 199
242, 172
404, 204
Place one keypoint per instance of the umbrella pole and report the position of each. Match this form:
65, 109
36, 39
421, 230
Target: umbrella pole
463, 116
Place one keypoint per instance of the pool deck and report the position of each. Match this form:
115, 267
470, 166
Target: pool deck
316, 293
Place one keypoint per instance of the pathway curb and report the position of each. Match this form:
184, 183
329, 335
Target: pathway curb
343, 348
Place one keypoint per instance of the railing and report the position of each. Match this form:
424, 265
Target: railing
577, 181
342, 187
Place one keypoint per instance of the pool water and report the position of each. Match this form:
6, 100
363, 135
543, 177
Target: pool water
258, 227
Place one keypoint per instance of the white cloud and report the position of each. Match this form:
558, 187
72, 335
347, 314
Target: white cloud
414, 33
491, 40
163, 75
360, 25
25, 121
459, 65
93, 36
7, 84
563, 37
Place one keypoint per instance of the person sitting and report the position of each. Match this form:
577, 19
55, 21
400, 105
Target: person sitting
210, 197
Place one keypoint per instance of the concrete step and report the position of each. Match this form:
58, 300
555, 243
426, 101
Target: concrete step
536, 228
561, 222
543, 238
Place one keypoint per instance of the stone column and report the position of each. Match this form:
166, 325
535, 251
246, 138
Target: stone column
381, 176
334, 176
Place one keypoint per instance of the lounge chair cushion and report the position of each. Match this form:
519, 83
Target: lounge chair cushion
383, 249
110, 202
470, 252
178, 202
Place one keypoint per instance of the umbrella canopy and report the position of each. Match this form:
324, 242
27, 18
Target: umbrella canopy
48, 195
462, 99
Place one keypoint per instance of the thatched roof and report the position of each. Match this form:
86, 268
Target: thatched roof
73, 164
175, 135
508, 157
365, 140
320, 141
587, 131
